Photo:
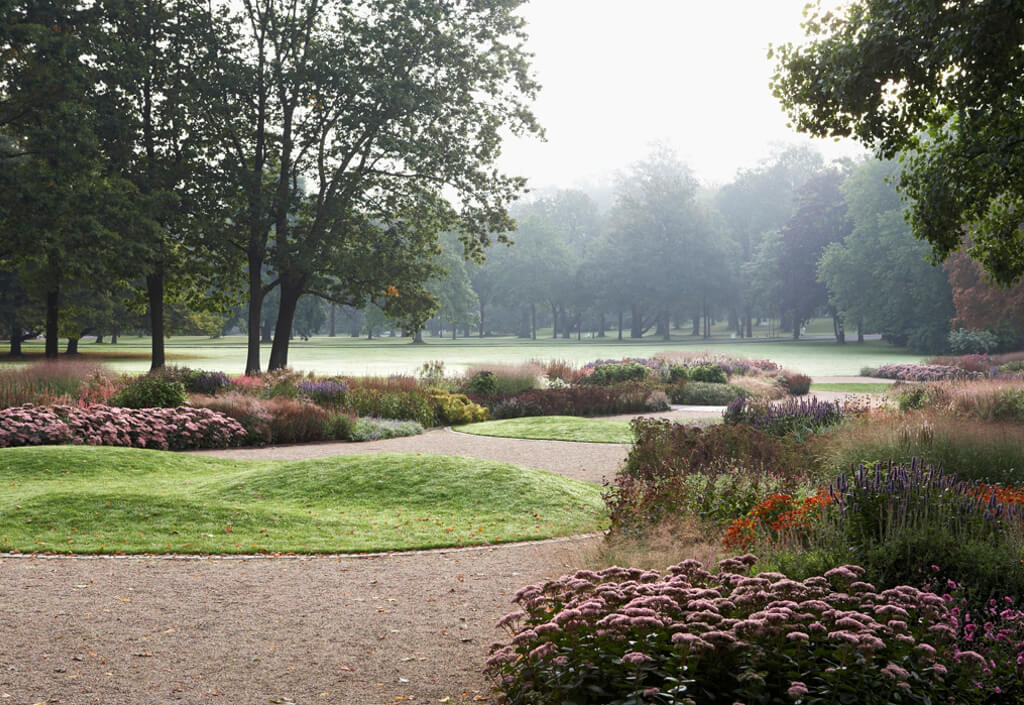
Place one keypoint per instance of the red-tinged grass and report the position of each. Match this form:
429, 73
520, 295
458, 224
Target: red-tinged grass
61, 381
107, 500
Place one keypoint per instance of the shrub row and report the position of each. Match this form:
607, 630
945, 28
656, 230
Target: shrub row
182, 428
584, 400
918, 373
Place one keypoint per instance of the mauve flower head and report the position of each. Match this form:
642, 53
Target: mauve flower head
797, 636
543, 651
797, 690
636, 658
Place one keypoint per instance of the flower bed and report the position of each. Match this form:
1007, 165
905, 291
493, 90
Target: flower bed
182, 428
632, 636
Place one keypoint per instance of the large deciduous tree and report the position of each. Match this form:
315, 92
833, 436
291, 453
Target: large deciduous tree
878, 276
940, 83
153, 98
60, 212
367, 111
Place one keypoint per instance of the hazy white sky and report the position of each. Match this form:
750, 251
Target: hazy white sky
619, 75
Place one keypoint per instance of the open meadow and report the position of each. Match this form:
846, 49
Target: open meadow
388, 356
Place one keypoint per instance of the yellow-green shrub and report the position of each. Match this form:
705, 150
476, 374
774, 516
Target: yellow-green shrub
456, 409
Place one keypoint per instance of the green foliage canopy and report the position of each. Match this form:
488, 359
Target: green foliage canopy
942, 85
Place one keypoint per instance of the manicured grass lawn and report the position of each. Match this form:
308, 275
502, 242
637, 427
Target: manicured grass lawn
386, 356
110, 500
555, 428
852, 387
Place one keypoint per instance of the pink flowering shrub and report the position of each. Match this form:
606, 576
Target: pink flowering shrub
183, 428
621, 636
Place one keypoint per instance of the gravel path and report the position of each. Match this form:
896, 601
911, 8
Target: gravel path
410, 627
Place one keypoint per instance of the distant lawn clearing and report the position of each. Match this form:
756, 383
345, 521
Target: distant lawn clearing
387, 356
852, 387
116, 500
555, 428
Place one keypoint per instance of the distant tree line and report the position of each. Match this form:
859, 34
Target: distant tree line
790, 240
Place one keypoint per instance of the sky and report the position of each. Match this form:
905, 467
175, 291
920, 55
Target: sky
619, 76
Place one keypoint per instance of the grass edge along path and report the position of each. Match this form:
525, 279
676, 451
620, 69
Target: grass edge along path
75, 499
554, 428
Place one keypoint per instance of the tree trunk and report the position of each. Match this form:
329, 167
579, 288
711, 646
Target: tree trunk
604, 325
99, 339
72, 348
113, 338
417, 338
455, 331
840, 331
252, 353
554, 321
620, 324
796, 326
666, 325
52, 314
636, 322
524, 324
860, 330
15, 340
332, 333
155, 296
483, 319
696, 326
533, 321
291, 292
749, 324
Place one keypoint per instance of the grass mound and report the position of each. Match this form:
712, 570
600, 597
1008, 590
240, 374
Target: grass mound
120, 500
555, 428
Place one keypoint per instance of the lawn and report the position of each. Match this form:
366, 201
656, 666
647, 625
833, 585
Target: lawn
852, 387
386, 356
109, 500
555, 428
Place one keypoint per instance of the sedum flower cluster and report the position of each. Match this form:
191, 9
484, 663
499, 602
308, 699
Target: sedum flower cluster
621, 636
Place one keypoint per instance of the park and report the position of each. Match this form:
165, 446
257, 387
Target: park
310, 392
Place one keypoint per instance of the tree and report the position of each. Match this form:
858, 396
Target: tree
667, 243
153, 96
982, 305
789, 262
878, 276
21, 316
365, 112
757, 202
61, 214
939, 83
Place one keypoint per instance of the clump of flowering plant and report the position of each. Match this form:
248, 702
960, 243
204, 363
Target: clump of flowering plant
181, 428
799, 416
779, 517
621, 636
